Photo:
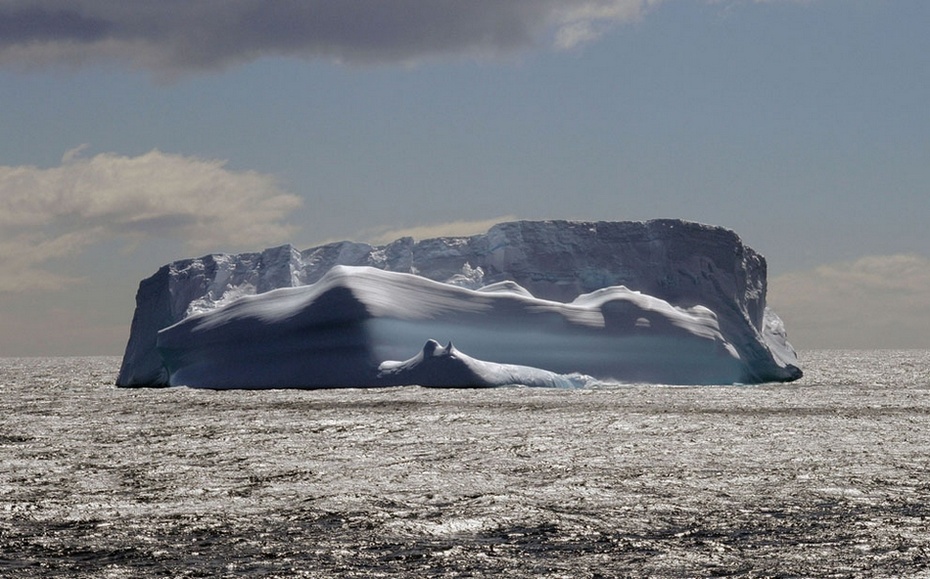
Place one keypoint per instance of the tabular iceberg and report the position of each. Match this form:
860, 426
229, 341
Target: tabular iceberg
550, 303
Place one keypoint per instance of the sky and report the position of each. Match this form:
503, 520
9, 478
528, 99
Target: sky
136, 133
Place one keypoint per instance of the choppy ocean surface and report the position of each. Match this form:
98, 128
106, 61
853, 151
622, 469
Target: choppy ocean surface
827, 477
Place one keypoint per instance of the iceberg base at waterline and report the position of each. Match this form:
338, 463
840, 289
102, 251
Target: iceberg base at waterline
360, 325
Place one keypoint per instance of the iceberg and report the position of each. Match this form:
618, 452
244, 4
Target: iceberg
536, 303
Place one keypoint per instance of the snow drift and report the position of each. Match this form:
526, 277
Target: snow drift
553, 303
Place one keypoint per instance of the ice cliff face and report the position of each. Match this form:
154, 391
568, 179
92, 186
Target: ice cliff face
684, 264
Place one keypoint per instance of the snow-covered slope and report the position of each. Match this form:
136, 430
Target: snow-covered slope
659, 301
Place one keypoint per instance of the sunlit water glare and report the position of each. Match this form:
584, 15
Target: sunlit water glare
822, 477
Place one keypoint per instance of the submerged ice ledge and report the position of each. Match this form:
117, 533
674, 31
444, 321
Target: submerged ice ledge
532, 303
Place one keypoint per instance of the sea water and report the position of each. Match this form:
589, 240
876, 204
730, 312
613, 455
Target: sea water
828, 476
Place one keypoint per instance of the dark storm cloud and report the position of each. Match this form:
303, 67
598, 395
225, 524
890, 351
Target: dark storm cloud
175, 35
35, 24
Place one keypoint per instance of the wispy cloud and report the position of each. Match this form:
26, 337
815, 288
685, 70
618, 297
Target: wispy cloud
872, 302
173, 37
449, 228
47, 214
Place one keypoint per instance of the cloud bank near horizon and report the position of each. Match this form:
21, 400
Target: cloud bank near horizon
49, 214
853, 304
181, 37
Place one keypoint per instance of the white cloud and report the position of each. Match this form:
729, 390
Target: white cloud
173, 37
872, 302
48, 214
581, 24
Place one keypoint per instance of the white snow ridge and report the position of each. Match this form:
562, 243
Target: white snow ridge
535, 303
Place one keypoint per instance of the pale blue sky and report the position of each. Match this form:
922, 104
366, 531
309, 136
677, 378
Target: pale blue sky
803, 126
